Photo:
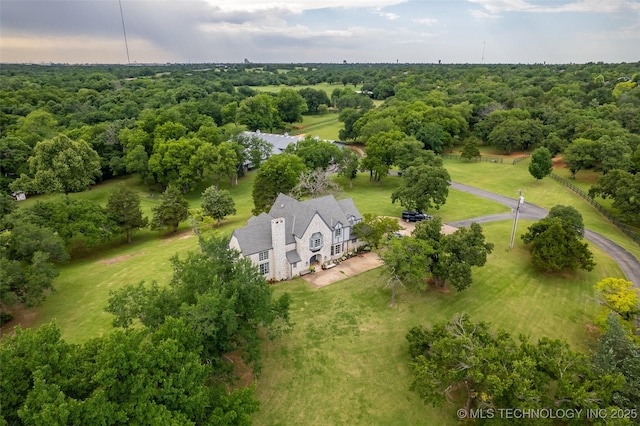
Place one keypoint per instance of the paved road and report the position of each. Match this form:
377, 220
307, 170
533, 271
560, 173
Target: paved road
627, 262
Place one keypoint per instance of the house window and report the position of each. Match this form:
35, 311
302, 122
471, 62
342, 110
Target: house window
315, 242
263, 255
264, 268
352, 220
336, 249
338, 232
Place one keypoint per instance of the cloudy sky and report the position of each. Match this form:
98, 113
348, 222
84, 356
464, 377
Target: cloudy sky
266, 31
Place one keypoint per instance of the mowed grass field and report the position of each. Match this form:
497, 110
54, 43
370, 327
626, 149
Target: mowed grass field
345, 360
509, 179
82, 289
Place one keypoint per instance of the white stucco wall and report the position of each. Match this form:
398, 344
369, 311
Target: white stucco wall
233, 244
279, 262
316, 225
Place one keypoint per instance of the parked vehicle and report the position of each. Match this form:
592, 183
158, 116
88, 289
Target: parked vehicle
409, 216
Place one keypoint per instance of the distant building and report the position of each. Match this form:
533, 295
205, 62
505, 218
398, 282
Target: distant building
19, 196
296, 235
278, 142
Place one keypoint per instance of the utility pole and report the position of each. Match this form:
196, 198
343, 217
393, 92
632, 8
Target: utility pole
515, 221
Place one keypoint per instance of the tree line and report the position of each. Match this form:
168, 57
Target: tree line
173, 124
34, 239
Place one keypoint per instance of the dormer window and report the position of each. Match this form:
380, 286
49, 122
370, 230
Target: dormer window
352, 220
315, 242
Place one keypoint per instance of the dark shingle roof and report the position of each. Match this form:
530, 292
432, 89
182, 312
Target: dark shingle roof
256, 236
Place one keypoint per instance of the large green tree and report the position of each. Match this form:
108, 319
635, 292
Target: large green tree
570, 215
137, 376
423, 187
222, 298
581, 154
225, 162
314, 98
348, 165
380, 154
405, 259
82, 224
217, 204
470, 150
14, 154
178, 162
618, 353
60, 164
514, 134
278, 174
291, 105
624, 189
255, 149
315, 154
123, 207
373, 229
454, 254
555, 246
477, 367
28, 255
541, 163
259, 112
172, 210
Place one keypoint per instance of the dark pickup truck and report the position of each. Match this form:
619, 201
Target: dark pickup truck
415, 216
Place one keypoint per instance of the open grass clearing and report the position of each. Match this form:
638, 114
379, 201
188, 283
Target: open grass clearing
328, 88
345, 361
82, 289
324, 126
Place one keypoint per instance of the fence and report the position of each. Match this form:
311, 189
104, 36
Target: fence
621, 226
488, 159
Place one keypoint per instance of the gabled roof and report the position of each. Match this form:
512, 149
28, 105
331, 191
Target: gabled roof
296, 216
256, 236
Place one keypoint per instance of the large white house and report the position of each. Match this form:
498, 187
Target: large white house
295, 235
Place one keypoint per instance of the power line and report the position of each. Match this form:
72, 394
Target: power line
124, 31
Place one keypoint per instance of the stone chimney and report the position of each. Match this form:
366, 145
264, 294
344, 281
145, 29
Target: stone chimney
280, 264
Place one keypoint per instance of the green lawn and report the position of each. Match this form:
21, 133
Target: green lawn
83, 286
324, 126
328, 88
506, 179
345, 362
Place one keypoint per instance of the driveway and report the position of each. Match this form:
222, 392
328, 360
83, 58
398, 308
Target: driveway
364, 262
627, 262
348, 268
